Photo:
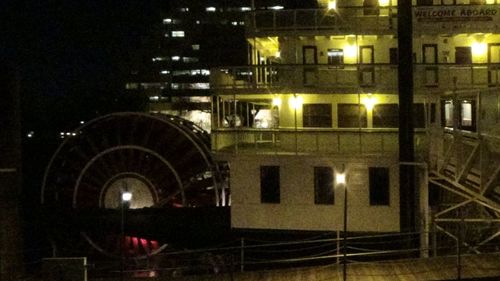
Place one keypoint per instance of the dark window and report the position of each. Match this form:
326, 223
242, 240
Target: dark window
419, 115
447, 113
323, 186
370, 7
433, 112
269, 184
393, 56
351, 115
317, 115
463, 55
379, 185
335, 56
425, 3
386, 115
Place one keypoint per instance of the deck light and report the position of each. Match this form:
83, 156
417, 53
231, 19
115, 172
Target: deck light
332, 5
369, 101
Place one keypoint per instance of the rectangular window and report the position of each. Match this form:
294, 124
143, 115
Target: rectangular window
386, 115
351, 115
447, 113
463, 55
178, 33
323, 186
468, 115
269, 184
419, 115
317, 115
393, 56
379, 185
335, 56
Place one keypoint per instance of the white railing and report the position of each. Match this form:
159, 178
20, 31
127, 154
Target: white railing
310, 141
381, 76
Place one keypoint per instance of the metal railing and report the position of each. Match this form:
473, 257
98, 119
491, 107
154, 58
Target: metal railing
310, 140
381, 76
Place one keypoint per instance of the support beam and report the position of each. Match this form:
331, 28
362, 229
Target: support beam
408, 194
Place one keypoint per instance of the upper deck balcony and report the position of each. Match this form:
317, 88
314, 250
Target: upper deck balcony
442, 19
316, 78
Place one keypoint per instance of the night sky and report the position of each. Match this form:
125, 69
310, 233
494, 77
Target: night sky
72, 56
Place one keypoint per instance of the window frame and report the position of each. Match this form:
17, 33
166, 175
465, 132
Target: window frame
324, 193
314, 118
270, 181
379, 186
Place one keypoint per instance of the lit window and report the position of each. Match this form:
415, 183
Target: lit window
379, 185
245, 9
447, 113
205, 72
242, 23
276, 7
178, 33
164, 72
323, 186
269, 184
234, 23
210, 9
195, 72
190, 59
176, 58
467, 115
167, 21
197, 22
195, 47
335, 56
186, 9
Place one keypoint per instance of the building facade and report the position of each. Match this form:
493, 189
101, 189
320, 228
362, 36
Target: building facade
319, 97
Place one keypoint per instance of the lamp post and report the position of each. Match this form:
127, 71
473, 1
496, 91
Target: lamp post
341, 182
124, 203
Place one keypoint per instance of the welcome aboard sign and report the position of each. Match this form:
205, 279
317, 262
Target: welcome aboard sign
455, 13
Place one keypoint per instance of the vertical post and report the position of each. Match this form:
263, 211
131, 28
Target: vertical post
338, 246
340, 180
344, 265
122, 239
407, 192
242, 255
11, 266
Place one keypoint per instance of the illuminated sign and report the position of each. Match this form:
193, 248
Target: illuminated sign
455, 13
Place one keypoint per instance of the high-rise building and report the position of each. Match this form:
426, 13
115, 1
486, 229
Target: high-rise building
173, 64
318, 103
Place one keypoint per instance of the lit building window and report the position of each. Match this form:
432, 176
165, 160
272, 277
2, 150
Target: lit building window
198, 22
234, 23
447, 113
176, 58
210, 9
190, 59
164, 72
468, 115
185, 9
178, 33
159, 59
276, 8
335, 56
205, 72
245, 9
167, 21
195, 47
